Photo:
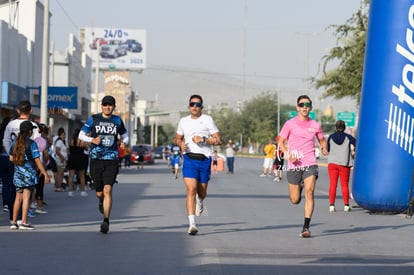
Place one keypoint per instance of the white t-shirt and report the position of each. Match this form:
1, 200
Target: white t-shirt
63, 149
12, 131
202, 126
229, 152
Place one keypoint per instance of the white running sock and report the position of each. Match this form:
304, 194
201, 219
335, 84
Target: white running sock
191, 219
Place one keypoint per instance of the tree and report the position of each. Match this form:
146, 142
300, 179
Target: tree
166, 134
346, 79
256, 122
328, 124
259, 118
228, 121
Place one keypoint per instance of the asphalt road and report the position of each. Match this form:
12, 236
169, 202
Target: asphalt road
250, 228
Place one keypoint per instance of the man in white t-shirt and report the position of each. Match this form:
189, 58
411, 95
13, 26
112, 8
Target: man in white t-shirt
230, 157
24, 111
196, 133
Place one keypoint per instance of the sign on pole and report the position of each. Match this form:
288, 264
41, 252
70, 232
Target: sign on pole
116, 48
347, 117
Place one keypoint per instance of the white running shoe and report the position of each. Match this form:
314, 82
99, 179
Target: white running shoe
199, 206
347, 208
70, 194
332, 208
192, 230
14, 226
41, 211
84, 194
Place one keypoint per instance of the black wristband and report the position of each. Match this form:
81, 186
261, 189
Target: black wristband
204, 140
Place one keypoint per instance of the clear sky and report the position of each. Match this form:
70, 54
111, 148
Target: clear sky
273, 42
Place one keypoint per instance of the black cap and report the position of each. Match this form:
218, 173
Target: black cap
108, 100
26, 126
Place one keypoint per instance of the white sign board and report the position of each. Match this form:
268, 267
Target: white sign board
116, 48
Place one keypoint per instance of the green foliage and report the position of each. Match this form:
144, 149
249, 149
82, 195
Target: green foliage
260, 118
328, 124
345, 80
146, 135
255, 123
166, 134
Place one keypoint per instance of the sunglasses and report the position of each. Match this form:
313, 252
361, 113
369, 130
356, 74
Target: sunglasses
196, 104
305, 104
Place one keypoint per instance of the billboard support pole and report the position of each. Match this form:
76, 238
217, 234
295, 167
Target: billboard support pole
45, 63
97, 77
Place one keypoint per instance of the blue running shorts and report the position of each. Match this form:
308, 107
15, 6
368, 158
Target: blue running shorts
197, 169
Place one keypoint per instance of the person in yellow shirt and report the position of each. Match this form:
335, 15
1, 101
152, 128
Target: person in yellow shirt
269, 150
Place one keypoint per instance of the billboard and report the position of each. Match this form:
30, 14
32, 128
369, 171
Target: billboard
62, 97
57, 97
116, 48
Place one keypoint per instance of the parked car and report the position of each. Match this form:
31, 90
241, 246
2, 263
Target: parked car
113, 49
133, 45
144, 149
159, 151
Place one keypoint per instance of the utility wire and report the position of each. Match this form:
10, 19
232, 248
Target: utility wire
67, 15
177, 70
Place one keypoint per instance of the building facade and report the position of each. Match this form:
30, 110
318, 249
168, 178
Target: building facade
21, 42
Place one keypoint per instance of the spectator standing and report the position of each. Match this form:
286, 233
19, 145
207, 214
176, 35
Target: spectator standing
230, 157
127, 156
44, 158
61, 157
102, 131
214, 158
77, 163
340, 161
269, 151
297, 142
278, 162
6, 168
196, 133
121, 153
25, 155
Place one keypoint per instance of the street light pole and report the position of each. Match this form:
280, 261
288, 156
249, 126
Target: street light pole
45, 64
98, 46
278, 110
307, 36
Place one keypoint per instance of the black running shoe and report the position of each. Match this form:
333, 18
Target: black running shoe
104, 227
101, 206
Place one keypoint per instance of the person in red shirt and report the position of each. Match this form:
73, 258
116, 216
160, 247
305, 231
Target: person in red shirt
121, 153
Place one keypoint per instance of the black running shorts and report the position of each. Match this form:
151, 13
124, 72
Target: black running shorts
103, 172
